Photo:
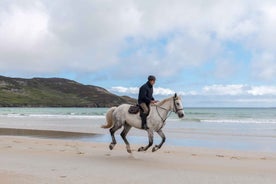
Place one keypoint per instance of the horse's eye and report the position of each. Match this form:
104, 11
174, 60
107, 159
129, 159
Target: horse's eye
177, 103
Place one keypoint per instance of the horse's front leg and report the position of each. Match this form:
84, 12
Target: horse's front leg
162, 135
150, 136
123, 135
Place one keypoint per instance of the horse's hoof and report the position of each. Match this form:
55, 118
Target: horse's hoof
128, 149
111, 146
155, 148
141, 149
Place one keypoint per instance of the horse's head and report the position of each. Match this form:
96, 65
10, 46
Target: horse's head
177, 106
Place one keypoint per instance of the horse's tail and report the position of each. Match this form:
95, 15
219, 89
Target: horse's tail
109, 119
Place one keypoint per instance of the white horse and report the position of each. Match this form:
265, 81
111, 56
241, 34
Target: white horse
117, 117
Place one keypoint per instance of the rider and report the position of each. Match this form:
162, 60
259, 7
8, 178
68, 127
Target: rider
145, 98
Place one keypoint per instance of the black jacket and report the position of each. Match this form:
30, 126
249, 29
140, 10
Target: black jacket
145, 93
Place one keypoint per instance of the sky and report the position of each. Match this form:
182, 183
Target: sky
214, 53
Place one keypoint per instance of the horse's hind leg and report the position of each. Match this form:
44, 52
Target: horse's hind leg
150, 136
112, 131
162, 135
123, 134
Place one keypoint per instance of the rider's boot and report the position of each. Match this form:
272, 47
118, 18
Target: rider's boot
144, 121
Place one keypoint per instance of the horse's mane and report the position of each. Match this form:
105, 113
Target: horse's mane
165, 100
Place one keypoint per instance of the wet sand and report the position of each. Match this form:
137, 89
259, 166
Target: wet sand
38, 160
46, 133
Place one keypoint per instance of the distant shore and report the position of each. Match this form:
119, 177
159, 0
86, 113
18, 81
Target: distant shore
55, 92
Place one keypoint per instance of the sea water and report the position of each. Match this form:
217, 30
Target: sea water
226, 128
218, 115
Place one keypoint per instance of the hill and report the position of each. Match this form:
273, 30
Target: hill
55, 92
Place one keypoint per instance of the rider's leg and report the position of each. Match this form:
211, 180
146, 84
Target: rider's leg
144, 115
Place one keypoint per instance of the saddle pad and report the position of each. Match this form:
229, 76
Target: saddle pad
134, 109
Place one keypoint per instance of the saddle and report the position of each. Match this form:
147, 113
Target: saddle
134, 109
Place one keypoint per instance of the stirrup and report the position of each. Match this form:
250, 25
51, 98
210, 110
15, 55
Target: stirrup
145, 127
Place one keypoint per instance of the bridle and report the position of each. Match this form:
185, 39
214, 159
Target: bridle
175, 106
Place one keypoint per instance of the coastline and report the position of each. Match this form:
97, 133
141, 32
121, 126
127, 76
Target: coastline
38, 160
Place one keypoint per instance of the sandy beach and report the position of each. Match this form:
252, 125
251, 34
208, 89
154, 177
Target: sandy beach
37, 160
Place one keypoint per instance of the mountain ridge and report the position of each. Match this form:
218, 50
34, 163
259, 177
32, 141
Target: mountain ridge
55, 92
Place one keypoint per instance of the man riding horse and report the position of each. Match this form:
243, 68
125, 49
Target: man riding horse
145, 98
153, 119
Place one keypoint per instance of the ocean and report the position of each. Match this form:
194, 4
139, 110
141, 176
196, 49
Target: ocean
252, 129
218, 115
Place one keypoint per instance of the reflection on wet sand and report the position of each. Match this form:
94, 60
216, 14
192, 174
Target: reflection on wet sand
45, 133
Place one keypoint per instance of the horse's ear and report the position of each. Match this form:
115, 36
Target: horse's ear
175, 95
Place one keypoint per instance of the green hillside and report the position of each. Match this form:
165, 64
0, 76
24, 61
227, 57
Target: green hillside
55, 92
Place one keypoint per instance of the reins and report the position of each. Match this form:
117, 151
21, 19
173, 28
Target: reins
165, 110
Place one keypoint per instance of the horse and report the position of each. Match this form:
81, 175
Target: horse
116, 117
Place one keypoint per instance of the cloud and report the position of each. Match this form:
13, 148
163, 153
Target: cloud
135, 90
23, 35
85, 36
264, 66
163, 91
237, 89
129, 90
219, 95
262, 90
162, 37
225, 68
211, 90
